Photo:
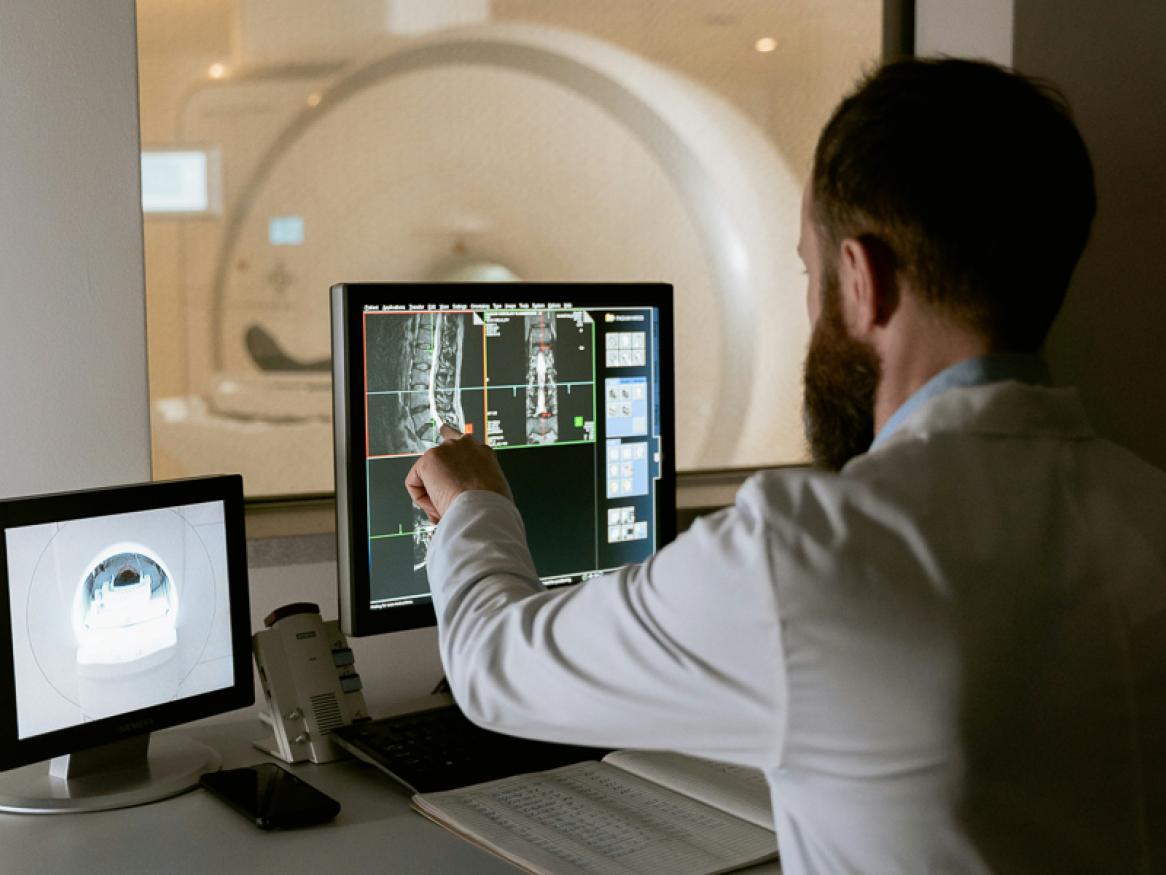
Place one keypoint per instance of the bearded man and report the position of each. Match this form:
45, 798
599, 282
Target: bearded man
945, 644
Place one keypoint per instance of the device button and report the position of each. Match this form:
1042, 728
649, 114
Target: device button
343, 656
350, 683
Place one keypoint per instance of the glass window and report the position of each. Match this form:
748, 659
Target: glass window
403, 140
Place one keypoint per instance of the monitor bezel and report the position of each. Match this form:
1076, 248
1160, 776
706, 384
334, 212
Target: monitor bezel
357, 617
65, 506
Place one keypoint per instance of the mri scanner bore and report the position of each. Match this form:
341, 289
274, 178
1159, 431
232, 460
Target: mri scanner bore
126, 608
124, 620
498, 151
116, 613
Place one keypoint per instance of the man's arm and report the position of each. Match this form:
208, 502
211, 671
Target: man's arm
681, 653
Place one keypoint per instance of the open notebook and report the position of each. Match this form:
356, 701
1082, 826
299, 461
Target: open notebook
635, 812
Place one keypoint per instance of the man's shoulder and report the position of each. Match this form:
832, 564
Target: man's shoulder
929, 481
1005, 409
806, 502
1000, 427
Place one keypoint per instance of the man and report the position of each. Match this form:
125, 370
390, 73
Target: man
951, 655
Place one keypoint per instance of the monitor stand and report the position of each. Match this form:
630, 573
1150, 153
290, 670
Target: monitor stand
133, 771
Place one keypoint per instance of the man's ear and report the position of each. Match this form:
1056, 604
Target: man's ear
867, 279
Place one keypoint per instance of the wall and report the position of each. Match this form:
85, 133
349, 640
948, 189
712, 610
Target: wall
1108, 59
73, 393
966, 28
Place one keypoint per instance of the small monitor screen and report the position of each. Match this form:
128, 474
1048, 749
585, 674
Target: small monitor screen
181, 182
113, 614
572, 394
123, 610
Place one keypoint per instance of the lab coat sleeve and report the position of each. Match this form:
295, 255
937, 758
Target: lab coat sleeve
681, 653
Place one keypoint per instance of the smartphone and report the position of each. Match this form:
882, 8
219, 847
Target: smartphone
271, 796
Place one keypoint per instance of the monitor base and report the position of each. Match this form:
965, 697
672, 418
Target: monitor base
119, 775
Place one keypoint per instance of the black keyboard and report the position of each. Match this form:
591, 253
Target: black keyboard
439, 749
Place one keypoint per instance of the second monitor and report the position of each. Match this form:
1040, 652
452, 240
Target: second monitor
570, 383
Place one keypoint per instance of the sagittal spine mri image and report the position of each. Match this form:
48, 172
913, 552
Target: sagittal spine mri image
428, 367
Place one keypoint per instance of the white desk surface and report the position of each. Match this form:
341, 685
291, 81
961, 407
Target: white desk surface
376, 831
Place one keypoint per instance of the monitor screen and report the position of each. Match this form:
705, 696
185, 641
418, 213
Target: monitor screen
569, 383
125, 610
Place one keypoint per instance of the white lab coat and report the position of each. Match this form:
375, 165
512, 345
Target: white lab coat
949, 658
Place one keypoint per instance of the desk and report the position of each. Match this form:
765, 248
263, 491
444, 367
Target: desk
376, 831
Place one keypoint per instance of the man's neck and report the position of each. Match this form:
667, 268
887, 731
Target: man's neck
910, 360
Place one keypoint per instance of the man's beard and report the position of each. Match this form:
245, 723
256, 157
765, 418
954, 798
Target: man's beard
841, 376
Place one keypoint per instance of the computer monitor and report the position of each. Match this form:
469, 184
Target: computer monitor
570, 383
122, 611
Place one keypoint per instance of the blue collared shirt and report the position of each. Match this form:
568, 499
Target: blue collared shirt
994, 368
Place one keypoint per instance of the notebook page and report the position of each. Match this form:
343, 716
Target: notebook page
593, 818
739, 790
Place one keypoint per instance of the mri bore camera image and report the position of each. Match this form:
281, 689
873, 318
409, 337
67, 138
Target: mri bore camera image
112, 614
127, 607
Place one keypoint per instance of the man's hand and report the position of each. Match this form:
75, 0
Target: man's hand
457, 465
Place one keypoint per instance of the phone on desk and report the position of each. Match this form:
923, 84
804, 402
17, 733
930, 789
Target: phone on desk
271, 796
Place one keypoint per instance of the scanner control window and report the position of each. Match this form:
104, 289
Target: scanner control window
112, 614
294, 144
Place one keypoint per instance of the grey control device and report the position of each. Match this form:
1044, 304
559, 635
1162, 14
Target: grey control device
309, 679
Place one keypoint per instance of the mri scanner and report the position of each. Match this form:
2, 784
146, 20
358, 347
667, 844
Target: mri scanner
493, 153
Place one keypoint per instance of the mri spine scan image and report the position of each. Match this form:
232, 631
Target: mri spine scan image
431, 357
542, 421
422, 534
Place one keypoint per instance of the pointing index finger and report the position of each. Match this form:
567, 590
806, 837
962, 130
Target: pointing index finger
449, 433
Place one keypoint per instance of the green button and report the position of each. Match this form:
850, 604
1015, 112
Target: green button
578, 422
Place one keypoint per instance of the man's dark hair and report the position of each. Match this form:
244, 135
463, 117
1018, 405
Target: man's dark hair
972, 179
